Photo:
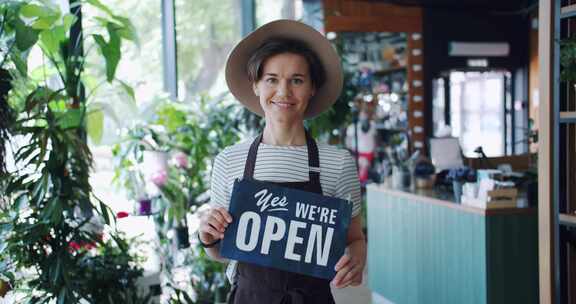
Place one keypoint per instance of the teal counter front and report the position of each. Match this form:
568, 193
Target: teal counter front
424, 249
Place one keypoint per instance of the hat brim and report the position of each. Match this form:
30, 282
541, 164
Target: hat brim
236, 70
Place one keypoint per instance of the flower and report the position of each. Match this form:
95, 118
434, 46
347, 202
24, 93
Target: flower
181, 160
159, 178
122, 214
145, 206
74, 246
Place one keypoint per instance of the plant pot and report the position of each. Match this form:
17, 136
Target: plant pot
182, 237
457, 188
145, 206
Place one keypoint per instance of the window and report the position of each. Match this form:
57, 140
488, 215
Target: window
477, 101
141, 68
307, 11
206, 32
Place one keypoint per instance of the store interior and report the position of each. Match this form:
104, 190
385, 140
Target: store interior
460, 116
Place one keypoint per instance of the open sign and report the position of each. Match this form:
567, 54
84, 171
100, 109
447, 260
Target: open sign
285, 228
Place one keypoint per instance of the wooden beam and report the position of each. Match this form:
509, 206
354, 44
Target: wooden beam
545, 165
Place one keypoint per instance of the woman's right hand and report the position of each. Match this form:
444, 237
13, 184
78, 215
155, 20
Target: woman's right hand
213, 224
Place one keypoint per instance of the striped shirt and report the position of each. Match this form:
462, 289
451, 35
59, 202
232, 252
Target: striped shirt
338, 174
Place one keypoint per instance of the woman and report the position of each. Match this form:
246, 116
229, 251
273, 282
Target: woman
286, 72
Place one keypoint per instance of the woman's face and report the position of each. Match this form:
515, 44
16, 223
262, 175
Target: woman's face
285, 87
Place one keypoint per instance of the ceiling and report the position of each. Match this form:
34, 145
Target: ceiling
509, 6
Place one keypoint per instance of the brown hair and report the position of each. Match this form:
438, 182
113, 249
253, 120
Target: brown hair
274, 47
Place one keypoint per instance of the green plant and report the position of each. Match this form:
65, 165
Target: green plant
208, 278
339, 115
568, 59
193, 134
197, 133
48, 207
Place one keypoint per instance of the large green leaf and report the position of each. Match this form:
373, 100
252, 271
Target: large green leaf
19, 62
51, 39
33, 11
128, 31
26, 36
45, 23
95, 124
101, 6
110, 50
68, 21
70, 119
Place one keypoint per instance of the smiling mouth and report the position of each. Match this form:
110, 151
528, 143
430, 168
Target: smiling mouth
283, 104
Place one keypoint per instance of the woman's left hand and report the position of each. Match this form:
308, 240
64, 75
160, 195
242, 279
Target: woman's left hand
350, 267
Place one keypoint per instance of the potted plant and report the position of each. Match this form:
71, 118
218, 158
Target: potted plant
47, 203
192, 135
459, 176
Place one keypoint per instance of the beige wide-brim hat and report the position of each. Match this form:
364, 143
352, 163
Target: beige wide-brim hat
237, 75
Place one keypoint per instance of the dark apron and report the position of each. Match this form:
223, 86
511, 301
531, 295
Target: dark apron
257, 284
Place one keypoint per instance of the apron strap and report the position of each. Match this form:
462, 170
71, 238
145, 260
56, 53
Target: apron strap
313, 159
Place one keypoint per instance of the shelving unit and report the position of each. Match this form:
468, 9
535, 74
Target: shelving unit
390, 71
568, 11
567, 219
561, 156
567, 117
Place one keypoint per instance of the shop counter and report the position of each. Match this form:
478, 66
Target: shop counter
425, 248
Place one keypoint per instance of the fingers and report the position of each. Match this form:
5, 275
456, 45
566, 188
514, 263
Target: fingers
353, 277
214, 223
342, 262
209, 234
217, 221
349, 272
225, 214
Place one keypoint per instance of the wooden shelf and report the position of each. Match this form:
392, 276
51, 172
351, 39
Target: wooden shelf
568, 11
568, 117
567, 219
389, 71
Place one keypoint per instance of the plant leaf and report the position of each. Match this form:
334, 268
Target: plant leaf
68, 21
129, 90
104, 210
26, 36
70, 119
21, 65
49, 41
33, 10
44, 23
95, 124
110, 50
100, 6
